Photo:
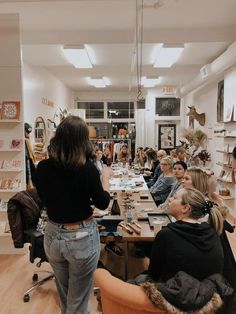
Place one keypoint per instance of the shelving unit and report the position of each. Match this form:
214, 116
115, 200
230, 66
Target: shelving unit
11, 130
225, 145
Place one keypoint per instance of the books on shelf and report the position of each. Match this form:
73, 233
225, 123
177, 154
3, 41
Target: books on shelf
10, 184
10, 164
3, 205
10, 110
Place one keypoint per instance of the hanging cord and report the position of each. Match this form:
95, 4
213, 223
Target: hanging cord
139, 47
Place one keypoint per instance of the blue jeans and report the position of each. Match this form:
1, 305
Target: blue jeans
73, 256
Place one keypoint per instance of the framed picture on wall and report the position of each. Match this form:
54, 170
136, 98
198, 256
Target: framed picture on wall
167, 136
220, 102
10, 110
168, 106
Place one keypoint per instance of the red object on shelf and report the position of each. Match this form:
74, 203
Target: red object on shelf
10, 110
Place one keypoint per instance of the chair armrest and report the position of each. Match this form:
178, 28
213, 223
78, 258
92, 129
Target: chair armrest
123, 292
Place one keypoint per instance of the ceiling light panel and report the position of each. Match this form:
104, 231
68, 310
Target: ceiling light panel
98, 82
77, 56
150, 81
167, 55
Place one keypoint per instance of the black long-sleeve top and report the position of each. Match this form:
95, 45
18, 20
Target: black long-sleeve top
190, 247
67, 193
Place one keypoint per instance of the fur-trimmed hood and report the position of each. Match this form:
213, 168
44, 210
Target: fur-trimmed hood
184, 294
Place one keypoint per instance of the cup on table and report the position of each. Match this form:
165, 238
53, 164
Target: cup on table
157, 226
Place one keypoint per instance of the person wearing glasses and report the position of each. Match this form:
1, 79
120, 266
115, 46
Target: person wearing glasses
161, 189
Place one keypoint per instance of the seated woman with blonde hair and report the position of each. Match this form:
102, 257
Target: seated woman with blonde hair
162, 187
124, 154
187, 260
197, 178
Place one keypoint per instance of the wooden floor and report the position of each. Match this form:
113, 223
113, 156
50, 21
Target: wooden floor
16, 277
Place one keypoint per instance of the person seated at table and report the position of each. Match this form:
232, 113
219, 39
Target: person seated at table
98, 159
186, 253
150, 164
179, 169
140, 157
199, 179
107, 155
124, 154
157, 172
161, 189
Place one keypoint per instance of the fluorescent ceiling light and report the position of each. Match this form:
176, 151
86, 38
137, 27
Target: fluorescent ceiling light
150, 81
98, 82
77, 56
168, 55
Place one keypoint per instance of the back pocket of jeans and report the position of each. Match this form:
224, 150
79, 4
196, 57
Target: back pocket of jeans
80, 246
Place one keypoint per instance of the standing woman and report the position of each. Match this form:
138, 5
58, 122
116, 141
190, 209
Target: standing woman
67, 182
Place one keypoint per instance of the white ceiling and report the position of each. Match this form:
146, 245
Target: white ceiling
206, 27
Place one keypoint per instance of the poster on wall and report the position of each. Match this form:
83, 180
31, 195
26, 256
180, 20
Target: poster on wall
220, 102
168, 106
167, 136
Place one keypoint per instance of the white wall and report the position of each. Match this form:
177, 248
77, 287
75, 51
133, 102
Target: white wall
38, 83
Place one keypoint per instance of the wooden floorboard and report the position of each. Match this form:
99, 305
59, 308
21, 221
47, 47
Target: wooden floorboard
16, 277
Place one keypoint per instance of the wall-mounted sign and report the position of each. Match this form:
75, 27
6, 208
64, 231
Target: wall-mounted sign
168, 90
47, 102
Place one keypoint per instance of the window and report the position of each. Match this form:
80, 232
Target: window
120, 110
94, 110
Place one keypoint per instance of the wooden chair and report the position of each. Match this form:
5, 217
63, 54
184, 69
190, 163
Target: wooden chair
121, 297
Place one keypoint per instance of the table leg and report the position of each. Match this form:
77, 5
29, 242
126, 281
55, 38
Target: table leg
126, 258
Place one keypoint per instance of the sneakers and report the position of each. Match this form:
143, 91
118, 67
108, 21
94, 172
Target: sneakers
114, 248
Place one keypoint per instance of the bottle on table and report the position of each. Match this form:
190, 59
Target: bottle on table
115, 209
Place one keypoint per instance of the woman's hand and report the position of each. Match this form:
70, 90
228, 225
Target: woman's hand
147, 173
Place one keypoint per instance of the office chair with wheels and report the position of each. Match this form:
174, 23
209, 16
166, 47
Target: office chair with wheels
23, 211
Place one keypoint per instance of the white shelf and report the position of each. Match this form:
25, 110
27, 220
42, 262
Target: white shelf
10, 150
9, 190
223, 151
225, 181
224, 165
11, 170
9, 121
5, 234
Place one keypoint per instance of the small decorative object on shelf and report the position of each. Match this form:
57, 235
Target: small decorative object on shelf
10, 164
204, 156
16, 144
229, 114
10, 110
9, 184
224, 192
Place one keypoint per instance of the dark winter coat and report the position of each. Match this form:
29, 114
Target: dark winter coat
23, 213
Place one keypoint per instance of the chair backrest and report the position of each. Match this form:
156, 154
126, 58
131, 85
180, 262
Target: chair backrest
122, 297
